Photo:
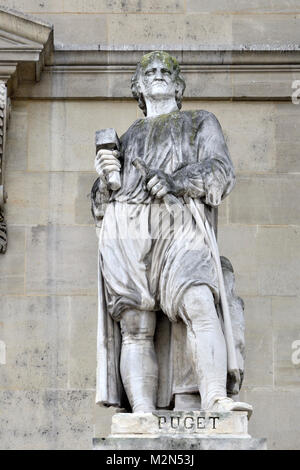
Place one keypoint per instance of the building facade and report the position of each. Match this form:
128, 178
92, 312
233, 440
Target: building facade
65, 70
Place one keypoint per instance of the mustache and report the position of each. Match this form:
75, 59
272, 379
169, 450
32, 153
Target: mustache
159, 80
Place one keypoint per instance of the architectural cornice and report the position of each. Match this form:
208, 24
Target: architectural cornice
261, 73
26, 43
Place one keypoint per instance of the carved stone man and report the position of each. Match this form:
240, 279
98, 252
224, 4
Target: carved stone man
170, 273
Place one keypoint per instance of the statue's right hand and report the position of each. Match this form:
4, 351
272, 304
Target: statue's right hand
106, 161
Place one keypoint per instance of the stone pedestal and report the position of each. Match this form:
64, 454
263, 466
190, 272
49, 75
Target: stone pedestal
180, 430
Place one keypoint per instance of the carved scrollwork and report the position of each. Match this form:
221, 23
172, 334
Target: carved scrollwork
3, 125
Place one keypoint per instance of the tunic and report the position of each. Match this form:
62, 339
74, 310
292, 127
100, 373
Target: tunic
149, 257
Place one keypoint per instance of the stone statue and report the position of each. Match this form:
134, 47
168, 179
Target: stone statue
169, 322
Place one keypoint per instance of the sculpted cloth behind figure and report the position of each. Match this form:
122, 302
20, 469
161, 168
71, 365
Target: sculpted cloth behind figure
152, 272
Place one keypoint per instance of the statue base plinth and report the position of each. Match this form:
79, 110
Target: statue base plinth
180, 430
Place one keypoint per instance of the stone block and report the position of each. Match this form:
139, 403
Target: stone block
82, 337
257, 85
242, 6
207, 85
276, 416
265, 259
265, 200
82, 203
119, 6
61, 140
263, 29
35, 331
286, 332
278, 256
287, 122
169, 31
254, 152
34, 6
287, 157
12, 262
102, 418
61, 260
16, 147
24, 206
179, 443
69, 198
63, 198
46, 419
259, 342
83, 29
179, 423
238, 243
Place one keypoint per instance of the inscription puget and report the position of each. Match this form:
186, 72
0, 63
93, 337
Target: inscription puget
187, 423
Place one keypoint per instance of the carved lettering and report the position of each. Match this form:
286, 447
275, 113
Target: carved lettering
214, 418
192, 424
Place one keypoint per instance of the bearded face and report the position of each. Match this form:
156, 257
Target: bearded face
158, 81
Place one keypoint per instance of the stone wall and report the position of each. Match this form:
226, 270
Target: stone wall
182, 23
48, 291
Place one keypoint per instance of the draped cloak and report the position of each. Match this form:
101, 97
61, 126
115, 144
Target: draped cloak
190, 144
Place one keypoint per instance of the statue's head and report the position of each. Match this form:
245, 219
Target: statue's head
158, 76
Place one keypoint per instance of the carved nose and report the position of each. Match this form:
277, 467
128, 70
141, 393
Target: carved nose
159, 76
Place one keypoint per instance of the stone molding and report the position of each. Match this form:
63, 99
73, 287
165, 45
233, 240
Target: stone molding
260, 74
26, 43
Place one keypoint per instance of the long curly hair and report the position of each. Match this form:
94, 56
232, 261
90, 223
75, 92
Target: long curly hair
170, 62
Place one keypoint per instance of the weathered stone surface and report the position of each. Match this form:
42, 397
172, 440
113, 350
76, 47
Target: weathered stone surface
36, 333
25, 207
12, 263
96, 6
51, 266
82, 347
287, 156
263, 29
119, 6
84, 29
46, 419
256, 6
259, 342
162, 31
255, 151
64, 198
45, 347
266, 201
16, 149
259, 271
204, 82
259, 85
179, 443
34, 6
276, 416
73, 147
286, 359
180, 422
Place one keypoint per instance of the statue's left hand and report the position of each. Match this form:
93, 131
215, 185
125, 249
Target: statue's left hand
213, 192
159, 184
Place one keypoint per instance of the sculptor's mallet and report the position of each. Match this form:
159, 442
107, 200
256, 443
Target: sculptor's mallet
108, 139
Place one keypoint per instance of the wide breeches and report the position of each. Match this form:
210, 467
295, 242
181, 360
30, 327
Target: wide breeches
148, 258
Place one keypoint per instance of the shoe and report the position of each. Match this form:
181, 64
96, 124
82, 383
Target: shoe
223, 405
